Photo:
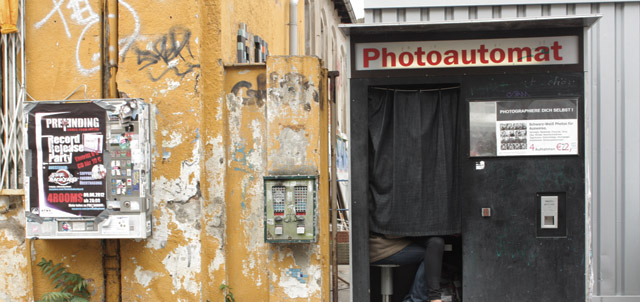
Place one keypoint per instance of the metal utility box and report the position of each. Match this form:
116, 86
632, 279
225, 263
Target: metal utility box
88, 169
290, 203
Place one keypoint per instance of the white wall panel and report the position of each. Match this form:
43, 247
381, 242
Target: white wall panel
533, 10
631, 139
509, 11
485, 12
413, 14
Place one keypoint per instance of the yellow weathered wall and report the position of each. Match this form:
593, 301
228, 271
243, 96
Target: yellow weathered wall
63, 53
214, 139
160, 62
214, 144
245, 124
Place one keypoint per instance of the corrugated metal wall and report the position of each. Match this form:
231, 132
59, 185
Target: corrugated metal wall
612, 73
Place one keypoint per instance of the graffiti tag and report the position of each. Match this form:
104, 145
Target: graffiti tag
167, 54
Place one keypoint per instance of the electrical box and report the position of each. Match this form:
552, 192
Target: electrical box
88, 169
290, 203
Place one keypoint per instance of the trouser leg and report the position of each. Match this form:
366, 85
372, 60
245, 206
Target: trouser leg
433, 266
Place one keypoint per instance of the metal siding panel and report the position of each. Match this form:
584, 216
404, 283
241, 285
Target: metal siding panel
589, 126
389, 15
510, 11
631, 164
424, 14
485, 12
449, 3
619, 149
558, 10
594, 176
583, 9
368, 16
616, 299
461, 13
533, 10
436, 14
607, 198
413, 14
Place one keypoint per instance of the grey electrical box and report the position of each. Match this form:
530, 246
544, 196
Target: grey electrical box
88, 169
290, 203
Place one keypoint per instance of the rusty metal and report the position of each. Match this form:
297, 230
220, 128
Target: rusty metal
109, 54
334, 188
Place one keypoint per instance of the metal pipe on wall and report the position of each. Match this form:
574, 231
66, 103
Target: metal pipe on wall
334, 187
109, 53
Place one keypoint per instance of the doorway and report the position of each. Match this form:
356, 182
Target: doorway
412, 166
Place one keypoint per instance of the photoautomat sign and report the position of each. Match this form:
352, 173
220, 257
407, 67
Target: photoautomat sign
468, 53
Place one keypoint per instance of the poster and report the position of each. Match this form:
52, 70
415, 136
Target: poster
528, 127
67, 142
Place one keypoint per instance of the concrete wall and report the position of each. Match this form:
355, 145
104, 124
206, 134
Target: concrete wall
214, 142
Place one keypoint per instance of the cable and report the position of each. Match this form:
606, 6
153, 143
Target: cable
74, 91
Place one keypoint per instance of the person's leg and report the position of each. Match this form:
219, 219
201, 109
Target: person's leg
412, 254
418, 292
433, 266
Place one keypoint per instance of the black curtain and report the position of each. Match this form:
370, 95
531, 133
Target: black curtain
412, 162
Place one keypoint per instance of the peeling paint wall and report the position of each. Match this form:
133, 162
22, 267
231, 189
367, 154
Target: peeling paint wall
14, 252
275, 122
297, 132
161, 63
219, 129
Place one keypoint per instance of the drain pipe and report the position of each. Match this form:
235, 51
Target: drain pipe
109, 53
293, 27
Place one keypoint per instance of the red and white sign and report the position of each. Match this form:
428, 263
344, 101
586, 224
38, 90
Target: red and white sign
467, 53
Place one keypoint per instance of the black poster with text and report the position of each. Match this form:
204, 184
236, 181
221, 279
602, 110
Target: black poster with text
67, 143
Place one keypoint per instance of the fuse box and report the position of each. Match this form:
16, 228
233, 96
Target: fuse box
290, 203
88, 169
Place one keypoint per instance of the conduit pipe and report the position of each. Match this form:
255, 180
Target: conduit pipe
293, 27
110, 247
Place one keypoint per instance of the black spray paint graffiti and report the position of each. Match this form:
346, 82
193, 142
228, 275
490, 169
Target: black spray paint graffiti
167, 54
252, 96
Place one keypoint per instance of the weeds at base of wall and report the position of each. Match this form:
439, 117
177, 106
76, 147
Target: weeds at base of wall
73, 287
228, 295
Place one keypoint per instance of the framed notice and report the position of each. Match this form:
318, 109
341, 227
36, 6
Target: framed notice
528, 127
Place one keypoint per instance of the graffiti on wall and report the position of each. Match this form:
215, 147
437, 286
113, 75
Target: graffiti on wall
169, 53
249, 95
80, 13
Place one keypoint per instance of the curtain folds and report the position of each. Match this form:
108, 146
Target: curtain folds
412, 162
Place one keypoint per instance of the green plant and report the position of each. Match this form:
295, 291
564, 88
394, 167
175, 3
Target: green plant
73, 287
228, 295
